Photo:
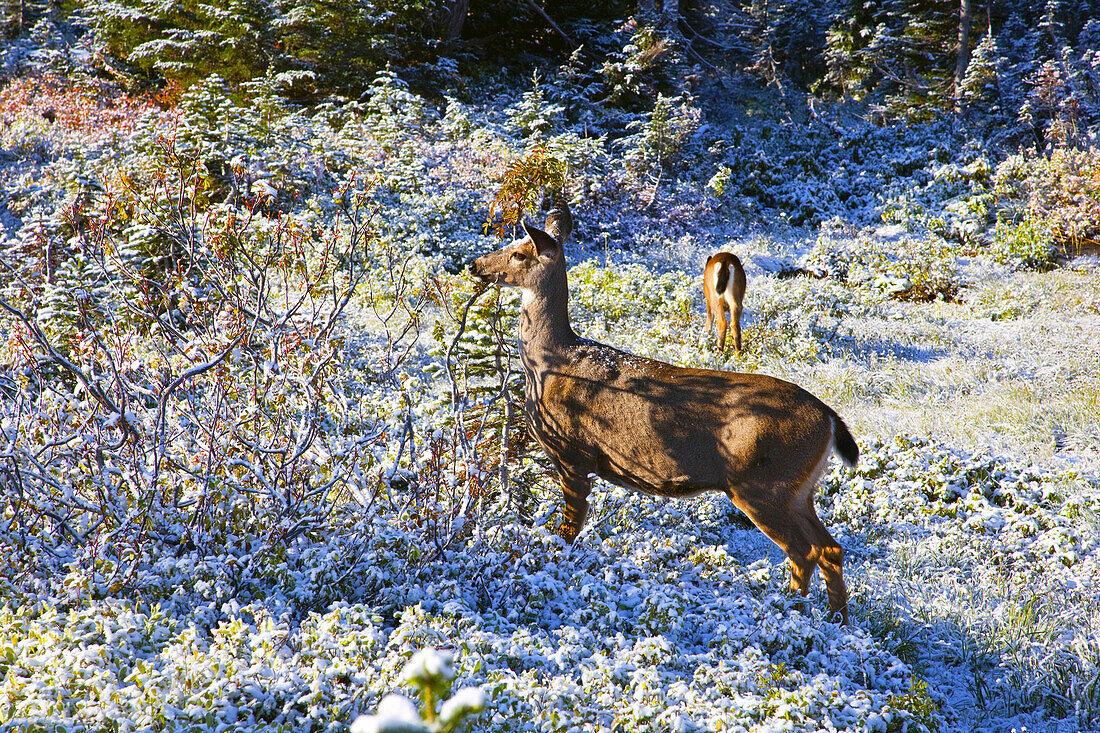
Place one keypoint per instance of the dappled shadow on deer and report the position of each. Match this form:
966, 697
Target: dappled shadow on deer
666, 430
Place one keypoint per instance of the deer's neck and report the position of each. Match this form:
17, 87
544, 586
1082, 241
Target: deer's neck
544, 319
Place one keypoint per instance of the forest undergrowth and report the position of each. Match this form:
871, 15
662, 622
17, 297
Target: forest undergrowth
262, 443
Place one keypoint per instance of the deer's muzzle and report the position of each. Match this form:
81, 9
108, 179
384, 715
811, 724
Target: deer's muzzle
477, 270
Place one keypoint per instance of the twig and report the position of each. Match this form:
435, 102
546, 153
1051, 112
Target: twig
56, 357
163, 401
449, 359
552, 24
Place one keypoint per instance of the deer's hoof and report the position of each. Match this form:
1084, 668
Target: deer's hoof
567, 532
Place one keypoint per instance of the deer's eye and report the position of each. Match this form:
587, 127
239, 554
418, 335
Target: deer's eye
519, 256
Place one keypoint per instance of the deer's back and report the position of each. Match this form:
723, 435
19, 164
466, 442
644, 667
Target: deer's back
666, 429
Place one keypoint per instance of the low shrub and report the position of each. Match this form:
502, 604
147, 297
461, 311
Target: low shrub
903, 268
1027, 245
1059, 193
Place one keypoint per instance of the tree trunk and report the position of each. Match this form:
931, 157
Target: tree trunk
13, 18
455, 19
963, 59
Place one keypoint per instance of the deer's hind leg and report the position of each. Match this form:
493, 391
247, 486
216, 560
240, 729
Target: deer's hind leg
723, 324
829, 556
735, 295
716, 318
808, 545
735, 317
824, 551
575, 489
827, 552
798, 531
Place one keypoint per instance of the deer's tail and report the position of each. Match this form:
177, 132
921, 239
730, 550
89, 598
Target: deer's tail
843, 441
722, 278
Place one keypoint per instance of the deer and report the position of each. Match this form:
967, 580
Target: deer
724, 290
665, 430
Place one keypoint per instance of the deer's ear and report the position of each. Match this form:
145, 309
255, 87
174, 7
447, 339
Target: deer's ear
545, 245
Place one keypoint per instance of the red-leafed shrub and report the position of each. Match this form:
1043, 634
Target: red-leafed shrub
76, 108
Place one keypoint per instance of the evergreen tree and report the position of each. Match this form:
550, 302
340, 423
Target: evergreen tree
186, 40
978, 91
905, 51
18, 16
788, 39
917, 58
345, 42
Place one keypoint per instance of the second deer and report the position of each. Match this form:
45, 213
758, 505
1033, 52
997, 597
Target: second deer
666, 430
724, 289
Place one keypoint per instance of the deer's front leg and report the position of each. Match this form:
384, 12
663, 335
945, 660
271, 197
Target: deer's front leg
575, 490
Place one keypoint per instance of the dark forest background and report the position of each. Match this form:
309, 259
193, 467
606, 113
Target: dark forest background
1016, 72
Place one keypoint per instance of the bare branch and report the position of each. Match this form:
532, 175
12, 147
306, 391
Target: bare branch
57, 358
550, 22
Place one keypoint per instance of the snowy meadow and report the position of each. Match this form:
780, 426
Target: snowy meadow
262, 445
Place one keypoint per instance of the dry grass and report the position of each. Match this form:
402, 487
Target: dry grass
1014, 367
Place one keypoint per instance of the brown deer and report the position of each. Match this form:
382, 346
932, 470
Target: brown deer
724, 289
666, 430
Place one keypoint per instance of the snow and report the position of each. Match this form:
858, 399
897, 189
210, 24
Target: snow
396, 714
315, 587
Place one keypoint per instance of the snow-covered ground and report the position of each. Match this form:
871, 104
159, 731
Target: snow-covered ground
971, 525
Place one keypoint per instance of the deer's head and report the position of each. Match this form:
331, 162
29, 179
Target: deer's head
524, 263
533, 262
521, 264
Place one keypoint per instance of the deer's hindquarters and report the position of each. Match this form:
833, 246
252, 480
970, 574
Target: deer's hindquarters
799, 532
724, 289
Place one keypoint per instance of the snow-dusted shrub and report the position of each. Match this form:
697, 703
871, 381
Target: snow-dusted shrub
181, 323
196, 393
433, 182
905, 268
1027, 245
39, 106
795, 320
480, 422
391, 110
656, 312
534, 116
918, 269
250, 668
656, 144
1060, 192
625, 295
634, 75
432, 672
956, 203
804, 172
1004, 547
590, 170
